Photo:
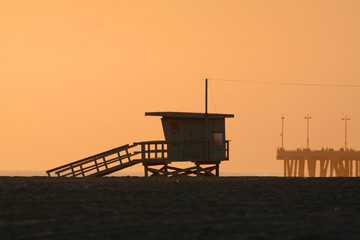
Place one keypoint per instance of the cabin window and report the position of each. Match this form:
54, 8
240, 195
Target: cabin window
218, 139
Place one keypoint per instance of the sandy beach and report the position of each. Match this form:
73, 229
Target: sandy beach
180, 208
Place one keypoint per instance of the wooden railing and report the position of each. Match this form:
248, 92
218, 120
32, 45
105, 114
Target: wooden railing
227, 149
97, 165
178, 151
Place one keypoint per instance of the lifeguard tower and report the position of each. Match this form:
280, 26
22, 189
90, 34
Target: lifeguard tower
189, 137
196, 138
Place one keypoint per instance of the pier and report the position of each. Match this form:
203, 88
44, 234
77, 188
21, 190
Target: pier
325, 162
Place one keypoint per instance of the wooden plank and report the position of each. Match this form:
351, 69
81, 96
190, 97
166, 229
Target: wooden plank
146, 171
180, 171
105, 163
97, 167
174, 168
197, 170
156, 151
185, 171
205, 170
162, 150
82, 171
153, 170
128, 155
120, 159
73, 172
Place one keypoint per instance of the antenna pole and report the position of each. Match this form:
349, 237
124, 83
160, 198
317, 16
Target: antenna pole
206, 96
207, 143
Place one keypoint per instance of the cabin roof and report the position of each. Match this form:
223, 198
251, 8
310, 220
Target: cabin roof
188, 115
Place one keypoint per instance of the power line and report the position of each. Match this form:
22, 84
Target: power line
212, 99
285, 83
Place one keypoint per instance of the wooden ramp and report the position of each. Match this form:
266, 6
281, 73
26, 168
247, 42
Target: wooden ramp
155, 156
98, 165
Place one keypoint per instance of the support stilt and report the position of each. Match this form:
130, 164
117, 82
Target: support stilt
301, 168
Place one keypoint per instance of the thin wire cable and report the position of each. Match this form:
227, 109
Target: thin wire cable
285, 83
212, 99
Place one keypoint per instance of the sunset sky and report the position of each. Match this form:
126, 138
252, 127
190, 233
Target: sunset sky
77, 76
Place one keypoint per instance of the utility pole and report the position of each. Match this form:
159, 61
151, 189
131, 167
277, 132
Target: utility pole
307, 121
345, 119
282, 132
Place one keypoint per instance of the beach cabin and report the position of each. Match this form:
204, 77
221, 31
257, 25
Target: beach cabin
195, 137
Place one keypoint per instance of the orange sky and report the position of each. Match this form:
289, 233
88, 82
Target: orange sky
77, 76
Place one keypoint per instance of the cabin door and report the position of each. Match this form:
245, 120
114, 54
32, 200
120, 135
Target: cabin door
218, 146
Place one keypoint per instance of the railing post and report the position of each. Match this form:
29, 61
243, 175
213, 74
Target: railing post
143, 151
128, 155
119, 158
197, 169
105, 163
162, 151
155, 150
82, 171
72, 170
96, 165
146, 170
227, 150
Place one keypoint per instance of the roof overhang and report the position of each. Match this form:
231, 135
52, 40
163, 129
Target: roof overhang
189, 115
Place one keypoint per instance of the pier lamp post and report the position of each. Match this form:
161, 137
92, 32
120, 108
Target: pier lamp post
307, 122
282, 132
345, 119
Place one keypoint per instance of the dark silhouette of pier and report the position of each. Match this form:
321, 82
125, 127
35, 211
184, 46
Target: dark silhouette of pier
325, 162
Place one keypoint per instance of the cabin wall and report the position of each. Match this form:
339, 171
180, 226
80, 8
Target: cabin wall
192, 131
